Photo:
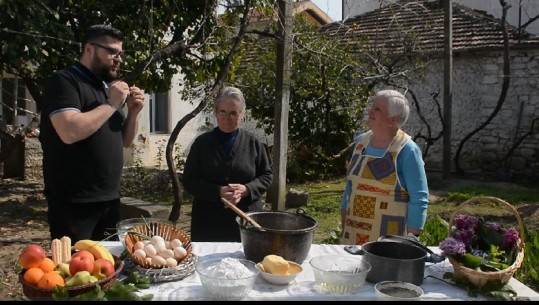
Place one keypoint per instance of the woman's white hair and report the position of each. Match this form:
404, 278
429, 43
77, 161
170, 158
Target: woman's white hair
230, 93
397, 104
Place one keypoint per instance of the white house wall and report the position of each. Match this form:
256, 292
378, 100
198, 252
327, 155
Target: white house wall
477, 85
178, 108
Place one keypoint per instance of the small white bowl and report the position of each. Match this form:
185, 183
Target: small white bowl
281, 279
397, 291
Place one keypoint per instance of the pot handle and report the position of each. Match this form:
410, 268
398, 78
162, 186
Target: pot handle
431, 257
354, 249
301, 212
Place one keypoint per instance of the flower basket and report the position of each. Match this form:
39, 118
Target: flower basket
481, 278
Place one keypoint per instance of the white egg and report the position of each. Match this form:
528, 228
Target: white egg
148, 260
150, 250
139, 245
179, 252
140, 253
160, 246
167, 253
157, 239
146, 241
171, 262
175, 243
159, 261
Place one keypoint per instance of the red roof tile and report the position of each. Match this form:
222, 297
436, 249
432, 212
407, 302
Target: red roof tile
420, 25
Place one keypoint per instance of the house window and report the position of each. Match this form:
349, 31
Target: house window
159, 112
7, 85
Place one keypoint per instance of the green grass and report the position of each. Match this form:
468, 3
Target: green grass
324, 205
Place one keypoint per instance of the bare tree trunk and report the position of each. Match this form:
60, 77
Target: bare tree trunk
503, 94
519, 141
176, 186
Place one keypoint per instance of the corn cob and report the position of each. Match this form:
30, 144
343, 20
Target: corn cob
66, 249
57, 253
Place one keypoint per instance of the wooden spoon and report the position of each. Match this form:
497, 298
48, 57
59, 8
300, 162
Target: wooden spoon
241, 213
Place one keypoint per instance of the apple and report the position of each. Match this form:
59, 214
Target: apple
81, 261
103, 268
84, 253
31, 256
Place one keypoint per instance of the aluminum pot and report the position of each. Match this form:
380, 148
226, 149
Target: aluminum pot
286, 234
395, 258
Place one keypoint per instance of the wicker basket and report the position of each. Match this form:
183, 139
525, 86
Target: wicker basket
37, 294
144, 232
480, 278
183, 270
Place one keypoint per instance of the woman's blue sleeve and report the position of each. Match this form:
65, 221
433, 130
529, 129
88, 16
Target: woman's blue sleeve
411, 171
346, 195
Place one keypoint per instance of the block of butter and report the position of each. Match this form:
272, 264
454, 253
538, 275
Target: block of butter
275, 264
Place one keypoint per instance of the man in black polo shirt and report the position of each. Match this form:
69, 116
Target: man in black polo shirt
83, 132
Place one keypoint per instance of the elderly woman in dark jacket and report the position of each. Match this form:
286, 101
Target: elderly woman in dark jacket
229, 163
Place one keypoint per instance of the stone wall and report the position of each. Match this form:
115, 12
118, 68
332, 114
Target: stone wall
477, 86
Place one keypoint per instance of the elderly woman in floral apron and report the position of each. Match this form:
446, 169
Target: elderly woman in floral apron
386, 191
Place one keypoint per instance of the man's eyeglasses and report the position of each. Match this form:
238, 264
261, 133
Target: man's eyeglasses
224, 114
114, 53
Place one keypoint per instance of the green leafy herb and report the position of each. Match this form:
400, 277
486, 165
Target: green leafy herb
494, 289
124, 290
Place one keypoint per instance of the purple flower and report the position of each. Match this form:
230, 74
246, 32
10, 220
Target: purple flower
451, 246
510, 238
465, 222
465, 236
496, 227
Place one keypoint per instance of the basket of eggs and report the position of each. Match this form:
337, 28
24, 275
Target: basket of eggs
74, 270
160, 251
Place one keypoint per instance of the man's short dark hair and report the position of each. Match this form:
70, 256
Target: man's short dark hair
96, 32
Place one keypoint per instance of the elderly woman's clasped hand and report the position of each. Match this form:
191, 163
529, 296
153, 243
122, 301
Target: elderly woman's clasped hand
233, 192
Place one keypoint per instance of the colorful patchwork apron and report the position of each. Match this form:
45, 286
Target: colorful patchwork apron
377, 204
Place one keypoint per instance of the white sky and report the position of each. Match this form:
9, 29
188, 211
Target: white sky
331, 7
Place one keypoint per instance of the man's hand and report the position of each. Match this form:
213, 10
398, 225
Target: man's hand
135, 100
118, 92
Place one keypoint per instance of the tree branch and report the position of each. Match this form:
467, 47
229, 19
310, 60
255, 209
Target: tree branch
177, 189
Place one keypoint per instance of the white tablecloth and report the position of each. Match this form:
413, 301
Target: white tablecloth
304, 288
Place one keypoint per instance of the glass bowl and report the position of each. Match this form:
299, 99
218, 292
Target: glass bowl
397, 291
124, 226
227, 278
339, 274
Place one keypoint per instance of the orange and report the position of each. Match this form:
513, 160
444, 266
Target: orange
49, 280
32, 275
47, 265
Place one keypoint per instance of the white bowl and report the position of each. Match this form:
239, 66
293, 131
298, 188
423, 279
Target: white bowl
339, 273
281, 279
397, 291
227, 278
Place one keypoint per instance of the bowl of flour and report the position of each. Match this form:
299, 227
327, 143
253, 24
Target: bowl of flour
227, 278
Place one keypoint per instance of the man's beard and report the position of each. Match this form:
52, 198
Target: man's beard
106, 75
103, 72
